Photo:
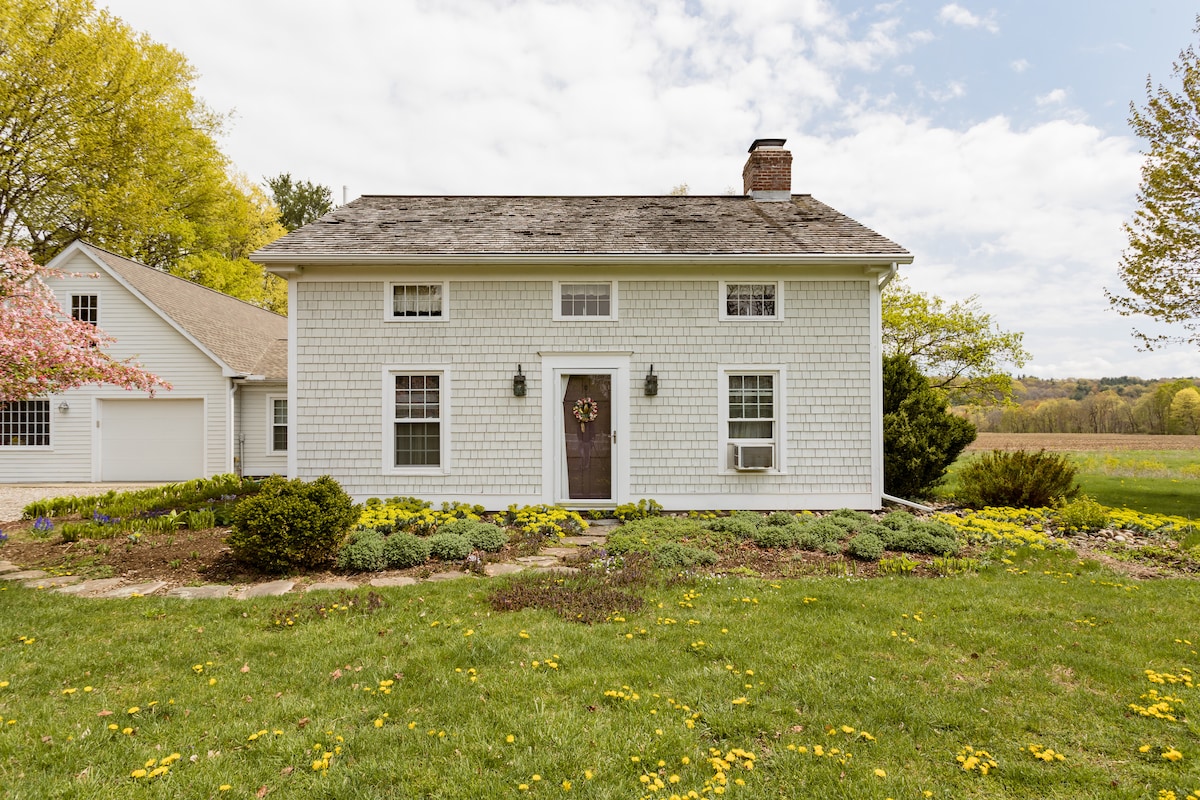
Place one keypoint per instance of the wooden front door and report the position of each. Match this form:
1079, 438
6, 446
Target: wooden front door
587, 434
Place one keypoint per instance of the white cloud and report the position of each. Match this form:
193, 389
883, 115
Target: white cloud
1019, 65
1054, 97
954, 14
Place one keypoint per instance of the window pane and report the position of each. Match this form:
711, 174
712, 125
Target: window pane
586, 299
750, 299
751, 406
417, 300
25, 423
418, 444
751, 430
279, 437
85, 308
418, 397
279, 425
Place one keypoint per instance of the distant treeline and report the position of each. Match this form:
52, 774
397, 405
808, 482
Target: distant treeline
1107, 405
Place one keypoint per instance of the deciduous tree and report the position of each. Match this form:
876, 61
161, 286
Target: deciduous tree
1161, 264
958, 347
42, 349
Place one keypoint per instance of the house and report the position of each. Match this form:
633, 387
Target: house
225, 359
706, 352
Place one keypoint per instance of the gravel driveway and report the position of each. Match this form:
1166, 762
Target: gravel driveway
15, 496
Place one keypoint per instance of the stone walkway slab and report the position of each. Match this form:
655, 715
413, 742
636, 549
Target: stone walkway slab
502, 568
331, 586
537, 561
584, 541
557, 569
8, 566
89, 587
210, 591
24, 575
50, 583
271, 589
140, 589
447, 576
559, 552
393, 580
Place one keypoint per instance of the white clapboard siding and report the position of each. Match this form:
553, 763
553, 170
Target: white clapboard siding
253, 437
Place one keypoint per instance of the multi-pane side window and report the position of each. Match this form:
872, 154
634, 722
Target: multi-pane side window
418, 301
751, 407
86, 308
586, 299
25, 423
752, 300
417, 421
279, 424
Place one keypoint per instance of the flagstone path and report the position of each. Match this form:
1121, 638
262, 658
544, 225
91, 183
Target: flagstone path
549, 559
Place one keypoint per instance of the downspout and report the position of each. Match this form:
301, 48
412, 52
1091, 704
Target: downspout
902, 502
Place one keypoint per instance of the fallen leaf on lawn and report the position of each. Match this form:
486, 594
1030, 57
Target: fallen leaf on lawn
337, 673
302, 722
286, 771
245, 667
104, 713
262, 792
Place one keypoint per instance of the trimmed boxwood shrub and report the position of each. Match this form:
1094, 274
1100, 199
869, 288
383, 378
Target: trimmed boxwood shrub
403, 550
363, 551
449, 546
291, 524
865, 546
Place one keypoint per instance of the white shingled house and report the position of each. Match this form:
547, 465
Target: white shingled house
705, 352
225, 359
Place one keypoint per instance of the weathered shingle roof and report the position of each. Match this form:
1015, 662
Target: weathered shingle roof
389, 225
250, 340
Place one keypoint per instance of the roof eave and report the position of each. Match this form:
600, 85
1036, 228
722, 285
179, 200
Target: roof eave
283, 264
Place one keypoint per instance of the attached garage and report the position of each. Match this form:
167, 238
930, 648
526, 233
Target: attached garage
151, 440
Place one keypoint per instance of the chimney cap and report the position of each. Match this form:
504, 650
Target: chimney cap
766, 143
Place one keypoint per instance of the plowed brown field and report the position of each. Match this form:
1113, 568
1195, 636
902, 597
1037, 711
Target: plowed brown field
1068, 442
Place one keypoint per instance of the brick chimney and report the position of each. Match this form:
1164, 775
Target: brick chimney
767, 175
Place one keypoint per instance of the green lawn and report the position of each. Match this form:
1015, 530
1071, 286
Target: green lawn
1154, 481
1046, 652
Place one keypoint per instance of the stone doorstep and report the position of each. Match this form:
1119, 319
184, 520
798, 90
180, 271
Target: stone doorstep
24, 575
89, 587
142, 589
50, 583
206, 592
271, 589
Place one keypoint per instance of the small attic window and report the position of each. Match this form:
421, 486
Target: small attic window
595, 300
747, 301
417, 302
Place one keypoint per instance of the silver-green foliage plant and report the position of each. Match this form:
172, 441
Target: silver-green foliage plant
403, 550
449, 546
362, 552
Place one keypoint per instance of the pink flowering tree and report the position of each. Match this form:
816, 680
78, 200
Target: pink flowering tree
42, 349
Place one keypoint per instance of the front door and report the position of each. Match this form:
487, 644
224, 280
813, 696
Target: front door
587, 415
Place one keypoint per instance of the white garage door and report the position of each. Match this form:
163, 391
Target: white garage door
151, 440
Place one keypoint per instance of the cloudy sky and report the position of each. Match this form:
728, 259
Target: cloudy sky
989, 138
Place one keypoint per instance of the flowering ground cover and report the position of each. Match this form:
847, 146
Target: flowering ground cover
1043, 677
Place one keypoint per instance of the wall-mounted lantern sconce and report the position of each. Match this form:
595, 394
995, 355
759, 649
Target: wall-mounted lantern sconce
64, 407
651, 382
518, 383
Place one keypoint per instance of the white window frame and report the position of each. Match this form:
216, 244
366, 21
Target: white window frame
389, 314
272, 450
5, 446
390, 374
779, 440
611, 316
71, 306
725, 316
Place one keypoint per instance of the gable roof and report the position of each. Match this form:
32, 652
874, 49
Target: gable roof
376, 227
243, 338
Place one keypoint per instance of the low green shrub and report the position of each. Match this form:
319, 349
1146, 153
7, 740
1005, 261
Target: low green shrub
291, 524
482, 535
897, 520
362, 552
934, 538
1080, 515
741, 524
865, 546
404, 550
449, 546
831, 548
644, 535
780, 518
1018, 479
816, 534
849, 520
675, 556
776, 536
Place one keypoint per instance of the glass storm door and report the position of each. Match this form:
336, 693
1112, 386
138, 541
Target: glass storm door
587, 436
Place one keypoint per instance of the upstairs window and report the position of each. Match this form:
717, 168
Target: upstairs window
592, 300
751, 301
417, 301
25, 423
279, 424
86, 308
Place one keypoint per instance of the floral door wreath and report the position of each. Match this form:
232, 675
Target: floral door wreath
586, 410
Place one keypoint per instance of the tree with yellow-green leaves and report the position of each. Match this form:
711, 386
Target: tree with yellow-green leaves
958, 346
103, 138
1161, 263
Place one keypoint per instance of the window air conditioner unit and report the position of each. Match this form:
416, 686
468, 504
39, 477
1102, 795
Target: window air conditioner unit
752, 457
